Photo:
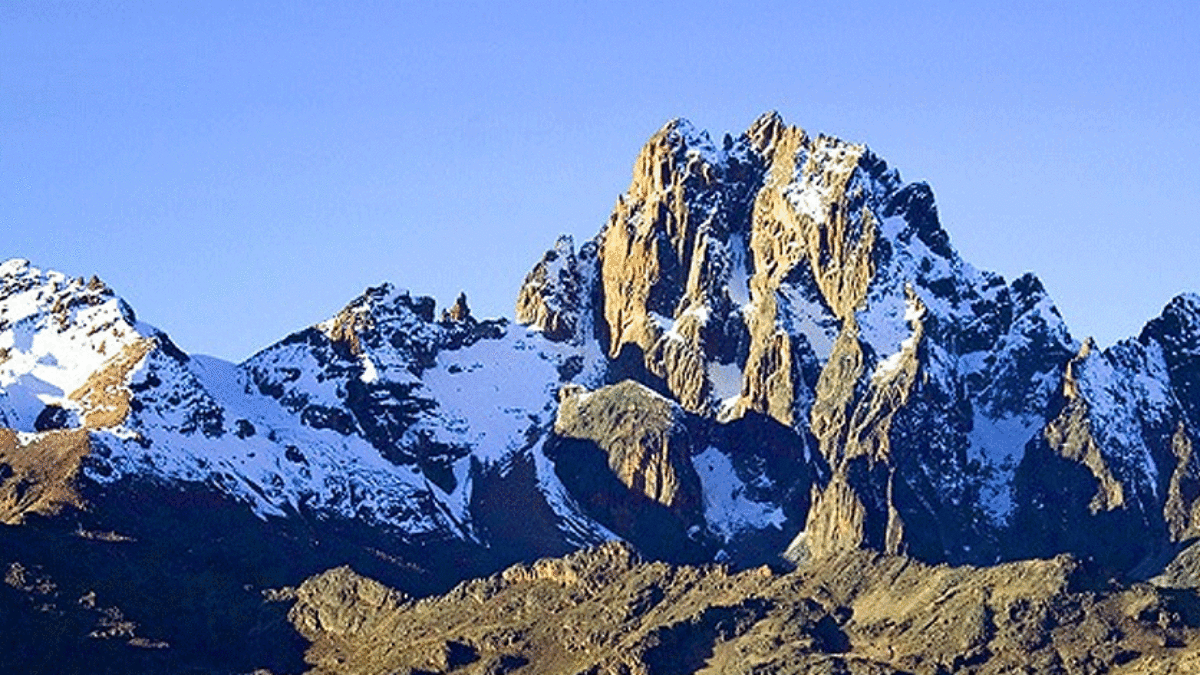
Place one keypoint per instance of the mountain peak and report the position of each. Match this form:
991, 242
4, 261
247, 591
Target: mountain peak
14, 266
1185, 304
800, 279
55, 332
1179, 320
765, 131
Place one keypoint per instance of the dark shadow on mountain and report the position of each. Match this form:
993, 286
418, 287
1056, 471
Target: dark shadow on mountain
630, 364
1056, 515
777, 466
181, 577
511, 513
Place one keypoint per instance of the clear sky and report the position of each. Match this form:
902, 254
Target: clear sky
241, 170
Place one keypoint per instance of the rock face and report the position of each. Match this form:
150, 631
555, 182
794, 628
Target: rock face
549, 299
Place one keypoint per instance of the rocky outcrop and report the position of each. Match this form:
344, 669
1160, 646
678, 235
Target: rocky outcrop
340, 602
40, 476
369, 359
104, 398
680, 486
624, 453
1177, 333
1182, 508
1069, 436
642, 436
459, 312
550, 299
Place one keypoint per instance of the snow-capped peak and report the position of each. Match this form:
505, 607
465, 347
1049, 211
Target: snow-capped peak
55, 332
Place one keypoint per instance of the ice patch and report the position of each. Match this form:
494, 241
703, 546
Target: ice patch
914, 310
883, 323
726, 508
369, 373
801, 316
739, 276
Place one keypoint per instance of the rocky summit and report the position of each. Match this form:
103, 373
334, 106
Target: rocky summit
775, 421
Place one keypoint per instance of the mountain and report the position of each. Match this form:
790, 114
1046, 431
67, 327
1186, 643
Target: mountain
769, 354
939, 410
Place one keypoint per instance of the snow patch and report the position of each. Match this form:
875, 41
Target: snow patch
491, 395
913, 312
726, 379
738, 287
998, 445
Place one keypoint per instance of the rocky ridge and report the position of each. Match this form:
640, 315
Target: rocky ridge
605, 611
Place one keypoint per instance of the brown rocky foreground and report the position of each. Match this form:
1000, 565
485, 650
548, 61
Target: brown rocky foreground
604, 611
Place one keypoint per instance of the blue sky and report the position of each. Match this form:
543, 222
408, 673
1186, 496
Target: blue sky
238, 171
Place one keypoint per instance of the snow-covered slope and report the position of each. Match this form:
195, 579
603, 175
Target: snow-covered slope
382, 414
